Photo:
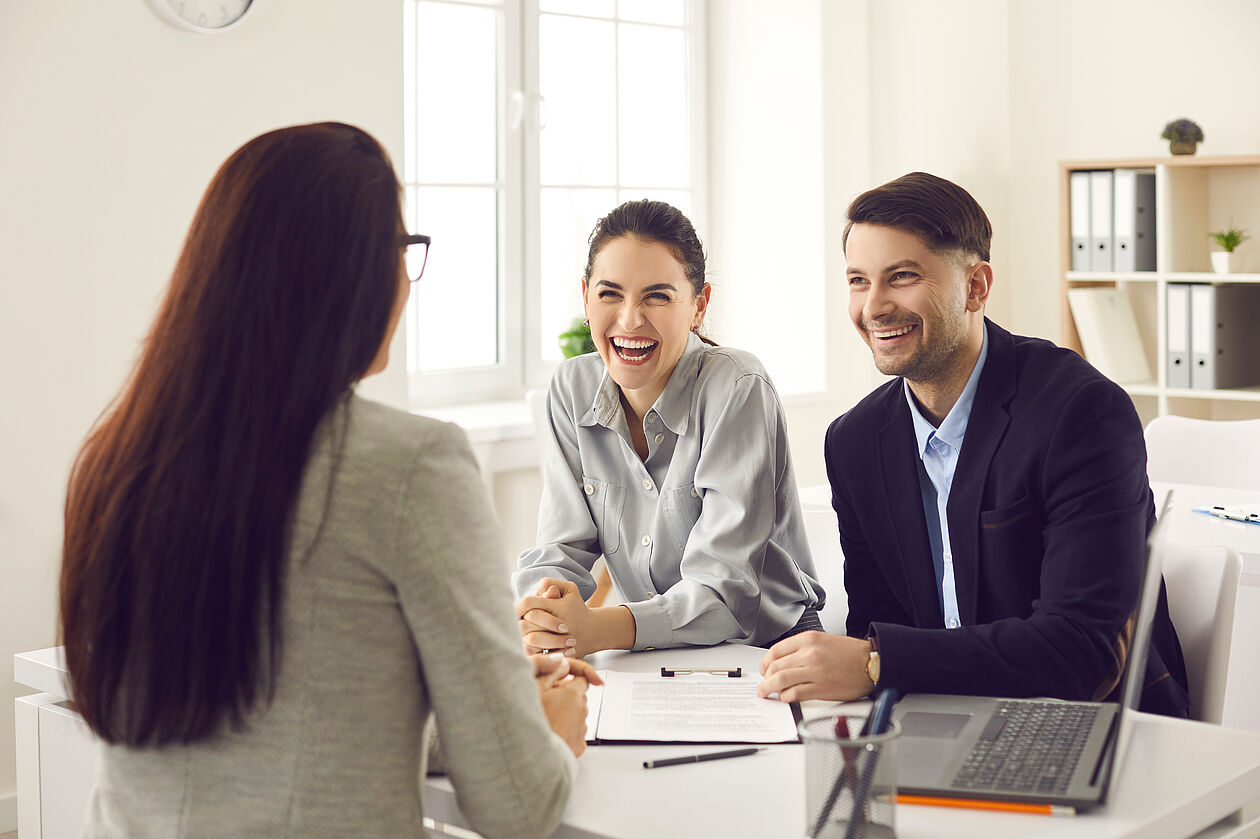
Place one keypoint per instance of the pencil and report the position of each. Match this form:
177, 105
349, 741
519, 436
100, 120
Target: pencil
977, 804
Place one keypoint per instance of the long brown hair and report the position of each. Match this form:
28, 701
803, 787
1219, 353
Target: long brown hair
180, 502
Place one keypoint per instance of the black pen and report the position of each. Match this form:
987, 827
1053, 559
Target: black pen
675, 761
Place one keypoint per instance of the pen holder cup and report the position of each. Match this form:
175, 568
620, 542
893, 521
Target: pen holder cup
850, 783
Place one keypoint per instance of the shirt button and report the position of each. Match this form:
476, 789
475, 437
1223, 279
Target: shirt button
695, 493
660, 437
647, 484
647, 540
651, 419
588, 489
953, 623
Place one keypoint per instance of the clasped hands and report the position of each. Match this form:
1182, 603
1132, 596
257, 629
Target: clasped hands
557, 618
562, 686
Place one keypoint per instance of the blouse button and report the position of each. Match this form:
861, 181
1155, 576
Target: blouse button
651, 419
694, 493
660, 437
647, 540
647, 484
589, 489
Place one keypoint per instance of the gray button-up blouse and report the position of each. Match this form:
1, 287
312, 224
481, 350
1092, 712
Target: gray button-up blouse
704, 540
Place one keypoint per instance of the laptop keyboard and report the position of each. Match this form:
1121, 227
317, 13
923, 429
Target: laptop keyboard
1028, 747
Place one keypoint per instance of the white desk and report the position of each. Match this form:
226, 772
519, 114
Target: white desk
1179, 779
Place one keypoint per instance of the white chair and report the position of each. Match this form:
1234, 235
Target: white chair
824, 545
1181, 450
1202, 589
536, 401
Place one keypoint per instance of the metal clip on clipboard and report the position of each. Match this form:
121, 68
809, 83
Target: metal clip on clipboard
730, 672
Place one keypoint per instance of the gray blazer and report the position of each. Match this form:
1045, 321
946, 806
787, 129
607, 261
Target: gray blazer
397, 611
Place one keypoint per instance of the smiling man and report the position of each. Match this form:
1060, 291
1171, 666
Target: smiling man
992, 499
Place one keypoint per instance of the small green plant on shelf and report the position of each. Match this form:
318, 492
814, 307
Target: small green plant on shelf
1183, 131
576, 340
1230, 238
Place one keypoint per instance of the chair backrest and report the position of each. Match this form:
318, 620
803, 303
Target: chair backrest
536, 401
824, 546
1216, 453
1202, 589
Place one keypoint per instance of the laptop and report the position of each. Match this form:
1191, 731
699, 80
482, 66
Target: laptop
1044, 751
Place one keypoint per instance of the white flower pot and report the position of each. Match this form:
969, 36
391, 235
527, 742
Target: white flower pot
1226, 262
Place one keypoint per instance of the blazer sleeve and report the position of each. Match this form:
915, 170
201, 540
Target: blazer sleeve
870, 596
511, 774
568, 538
1095, 503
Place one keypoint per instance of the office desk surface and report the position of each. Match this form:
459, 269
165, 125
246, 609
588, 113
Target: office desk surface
1179, 778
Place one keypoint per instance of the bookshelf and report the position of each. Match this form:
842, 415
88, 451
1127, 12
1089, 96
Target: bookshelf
1193, 195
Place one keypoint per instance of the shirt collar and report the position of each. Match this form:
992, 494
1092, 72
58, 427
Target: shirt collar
954, 427
673, 406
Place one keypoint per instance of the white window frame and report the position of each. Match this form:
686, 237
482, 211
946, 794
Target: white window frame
519, 186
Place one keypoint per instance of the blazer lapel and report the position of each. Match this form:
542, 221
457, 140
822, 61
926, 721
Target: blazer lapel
899, 466
988, 422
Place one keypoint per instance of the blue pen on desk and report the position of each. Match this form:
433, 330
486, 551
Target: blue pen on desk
1230, 513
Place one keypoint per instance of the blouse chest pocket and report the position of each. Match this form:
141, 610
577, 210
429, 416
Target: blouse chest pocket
605, 502
680, 508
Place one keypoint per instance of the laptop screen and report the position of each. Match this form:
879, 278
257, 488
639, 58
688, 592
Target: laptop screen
1135, 666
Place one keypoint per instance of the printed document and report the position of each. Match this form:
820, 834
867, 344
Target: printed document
691, 708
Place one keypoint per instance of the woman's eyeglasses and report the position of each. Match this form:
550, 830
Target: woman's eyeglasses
416, 252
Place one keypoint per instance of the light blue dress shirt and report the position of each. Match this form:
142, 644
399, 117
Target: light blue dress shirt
704, 540
938, 458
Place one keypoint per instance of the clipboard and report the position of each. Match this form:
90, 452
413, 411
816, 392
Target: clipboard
687, 706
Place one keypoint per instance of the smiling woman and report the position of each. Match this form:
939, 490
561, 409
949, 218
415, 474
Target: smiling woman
669, 456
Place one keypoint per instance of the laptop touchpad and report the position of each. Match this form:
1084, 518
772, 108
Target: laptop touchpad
925, 724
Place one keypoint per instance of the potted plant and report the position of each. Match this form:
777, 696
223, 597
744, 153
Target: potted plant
576, 340
1183, 135
1226, 260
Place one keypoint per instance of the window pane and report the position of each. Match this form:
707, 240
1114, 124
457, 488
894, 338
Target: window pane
653, 125
568, 215
454, 309
590, 8
457, 84
576, 77
672, 12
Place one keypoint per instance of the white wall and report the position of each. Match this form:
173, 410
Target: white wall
111, 125
1091, 79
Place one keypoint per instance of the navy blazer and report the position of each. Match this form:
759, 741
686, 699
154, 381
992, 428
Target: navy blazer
1048, 516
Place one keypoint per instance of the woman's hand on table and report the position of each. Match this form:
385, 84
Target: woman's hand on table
557, 618
562, 684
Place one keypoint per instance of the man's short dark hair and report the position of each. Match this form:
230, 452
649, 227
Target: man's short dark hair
940, 212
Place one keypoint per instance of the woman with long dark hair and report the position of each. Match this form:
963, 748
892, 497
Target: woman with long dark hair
270, 585
668, 455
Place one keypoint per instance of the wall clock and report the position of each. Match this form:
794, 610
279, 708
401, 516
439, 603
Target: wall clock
202, 15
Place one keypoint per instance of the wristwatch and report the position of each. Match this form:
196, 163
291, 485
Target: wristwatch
872, 664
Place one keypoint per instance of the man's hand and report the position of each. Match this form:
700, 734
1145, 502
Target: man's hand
816, 665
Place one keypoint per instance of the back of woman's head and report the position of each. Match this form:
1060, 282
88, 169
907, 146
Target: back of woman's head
180, 503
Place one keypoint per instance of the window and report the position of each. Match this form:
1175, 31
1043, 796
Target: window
525, 121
